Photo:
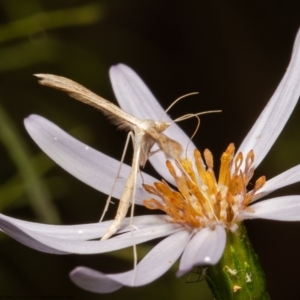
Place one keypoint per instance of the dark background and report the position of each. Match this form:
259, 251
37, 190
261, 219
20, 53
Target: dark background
234, 53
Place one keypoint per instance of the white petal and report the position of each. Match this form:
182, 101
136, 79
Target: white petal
275, 115
21, 236
205, 248
281, 209
88, 165
153, 265
83, 231
32, 236
133, 95
94, 281
284, 179
135, 98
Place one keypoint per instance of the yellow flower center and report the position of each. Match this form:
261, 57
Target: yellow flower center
201, 199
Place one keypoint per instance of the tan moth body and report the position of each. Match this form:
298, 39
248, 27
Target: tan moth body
153, 129
146, 134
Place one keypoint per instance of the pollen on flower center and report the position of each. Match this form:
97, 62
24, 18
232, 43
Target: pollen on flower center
202, 199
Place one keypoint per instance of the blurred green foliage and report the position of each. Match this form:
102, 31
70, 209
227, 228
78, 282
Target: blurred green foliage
233, 53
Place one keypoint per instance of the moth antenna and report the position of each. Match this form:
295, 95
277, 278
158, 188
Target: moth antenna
194, 133
188, 116
177, 100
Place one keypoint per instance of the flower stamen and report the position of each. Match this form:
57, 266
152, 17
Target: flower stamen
201, 199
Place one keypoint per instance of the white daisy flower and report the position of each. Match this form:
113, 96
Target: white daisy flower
198, 215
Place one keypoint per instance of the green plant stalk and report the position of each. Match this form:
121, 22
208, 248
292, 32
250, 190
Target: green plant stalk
41, 22
14, 187
36, 190
238, 275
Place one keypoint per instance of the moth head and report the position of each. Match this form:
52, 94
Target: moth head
162, 126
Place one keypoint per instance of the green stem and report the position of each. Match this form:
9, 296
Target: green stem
238, 275
35, 188
41, 22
